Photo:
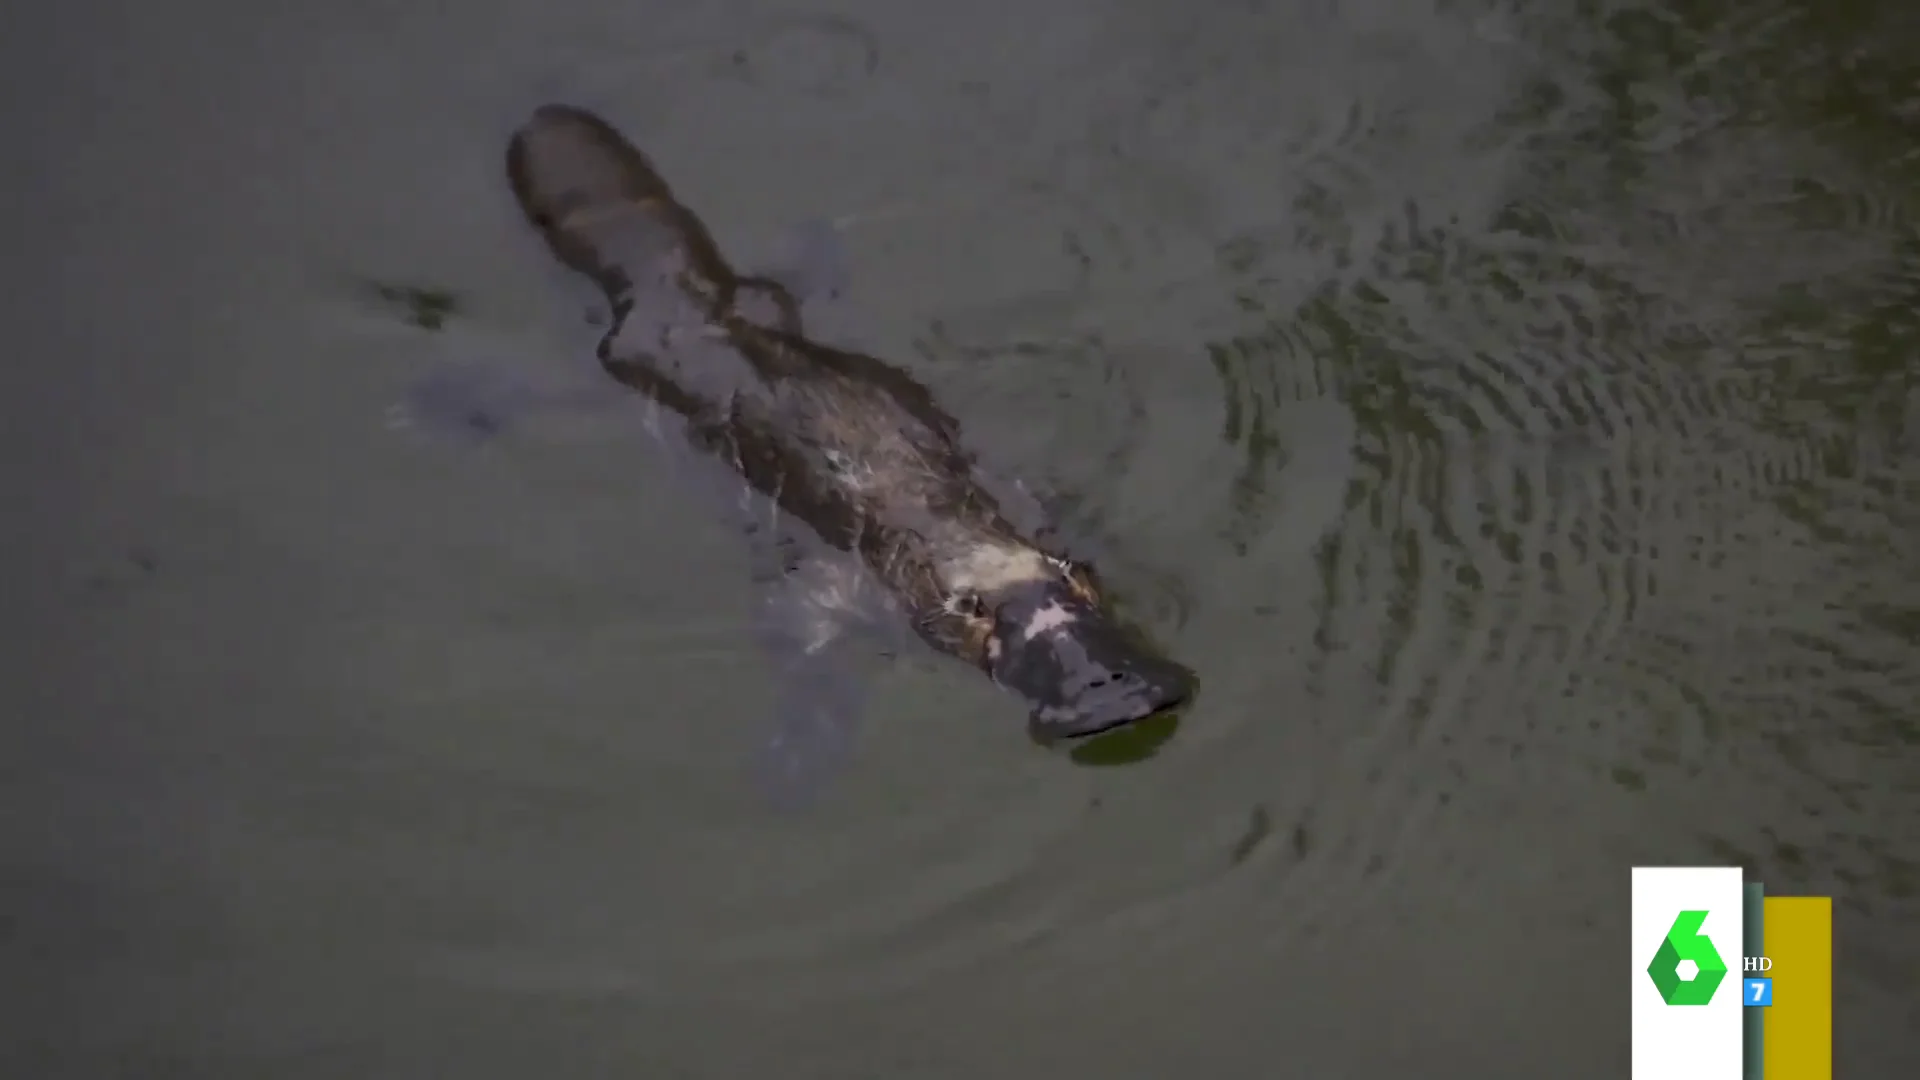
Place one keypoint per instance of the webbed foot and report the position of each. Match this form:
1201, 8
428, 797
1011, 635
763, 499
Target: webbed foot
460, 404
814, 268
818, 617
474, 403
813, 271
819, 704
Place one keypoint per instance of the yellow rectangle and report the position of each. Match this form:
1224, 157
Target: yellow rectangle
1799, 1024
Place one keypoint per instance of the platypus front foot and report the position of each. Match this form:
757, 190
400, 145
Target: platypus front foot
820, 699
459, 404
813, 271
819, 628
814, 267
476, 403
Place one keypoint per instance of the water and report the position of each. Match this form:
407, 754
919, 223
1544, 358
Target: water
1511, 411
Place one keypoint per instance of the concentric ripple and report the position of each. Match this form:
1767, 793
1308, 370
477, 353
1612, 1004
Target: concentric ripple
1509, 410
1580, 423
1470, 511
1484, 452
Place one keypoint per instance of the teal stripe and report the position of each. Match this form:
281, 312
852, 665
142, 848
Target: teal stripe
1754, 1021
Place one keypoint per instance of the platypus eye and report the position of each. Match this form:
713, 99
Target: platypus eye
1079, 575
967, 605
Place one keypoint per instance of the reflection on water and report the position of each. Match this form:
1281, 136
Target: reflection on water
1509, 409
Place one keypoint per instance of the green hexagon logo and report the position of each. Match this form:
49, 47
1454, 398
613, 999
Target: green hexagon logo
1685, 942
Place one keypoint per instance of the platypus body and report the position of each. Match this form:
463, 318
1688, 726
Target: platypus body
846, 443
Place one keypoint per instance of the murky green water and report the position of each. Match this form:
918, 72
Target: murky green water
1511, 411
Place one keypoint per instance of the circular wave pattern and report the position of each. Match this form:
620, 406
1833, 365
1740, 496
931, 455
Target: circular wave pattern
1592, 447
1514, 487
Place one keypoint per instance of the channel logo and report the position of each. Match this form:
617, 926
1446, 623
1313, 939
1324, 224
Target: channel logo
1687, 969
1686, 922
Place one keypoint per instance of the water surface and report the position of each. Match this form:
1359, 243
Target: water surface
1509, 409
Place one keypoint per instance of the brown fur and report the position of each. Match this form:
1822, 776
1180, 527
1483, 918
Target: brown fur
799, 408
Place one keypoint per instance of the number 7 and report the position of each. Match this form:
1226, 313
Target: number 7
1759, 988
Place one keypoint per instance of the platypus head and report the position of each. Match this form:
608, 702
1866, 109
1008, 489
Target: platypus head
1046, 633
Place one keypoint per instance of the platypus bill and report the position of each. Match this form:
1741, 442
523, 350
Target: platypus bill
847, 444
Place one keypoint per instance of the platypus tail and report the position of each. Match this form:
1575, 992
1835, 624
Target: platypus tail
565, 160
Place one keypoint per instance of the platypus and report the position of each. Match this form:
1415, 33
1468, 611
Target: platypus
852, 446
